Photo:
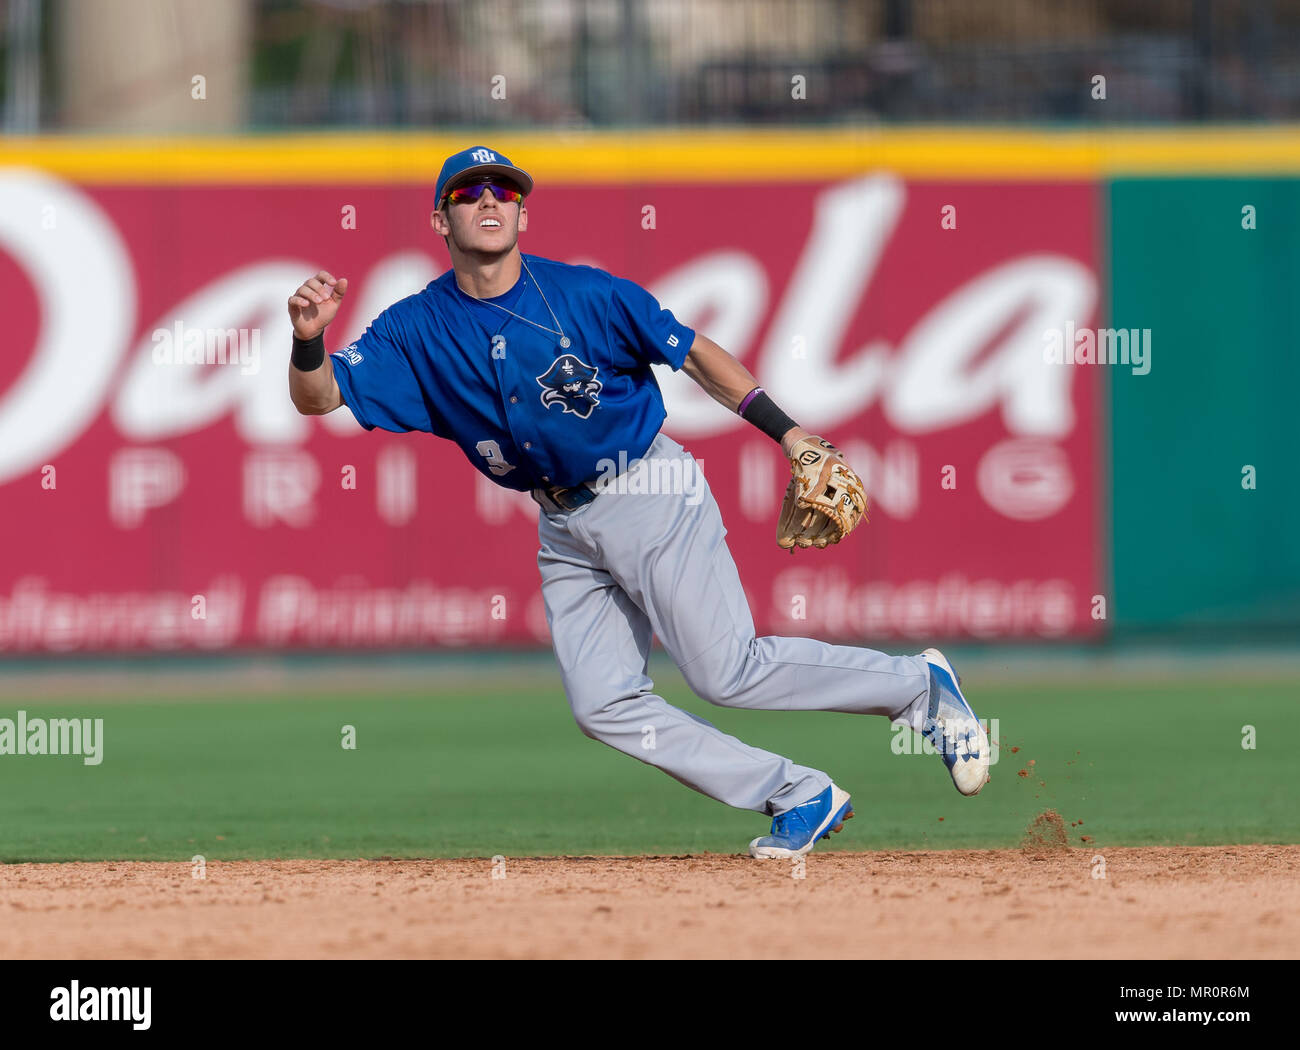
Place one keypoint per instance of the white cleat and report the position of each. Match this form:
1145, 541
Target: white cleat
952, 727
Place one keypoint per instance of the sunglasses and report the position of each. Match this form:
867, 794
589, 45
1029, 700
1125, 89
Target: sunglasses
470, 194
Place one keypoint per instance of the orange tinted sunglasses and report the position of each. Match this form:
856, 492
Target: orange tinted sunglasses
470, 194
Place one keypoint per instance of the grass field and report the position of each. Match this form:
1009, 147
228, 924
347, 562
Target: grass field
497, 766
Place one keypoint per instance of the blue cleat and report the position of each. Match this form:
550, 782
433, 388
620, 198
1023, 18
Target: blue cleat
951, 726
795, 831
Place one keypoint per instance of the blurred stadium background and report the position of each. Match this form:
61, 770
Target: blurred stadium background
881, 206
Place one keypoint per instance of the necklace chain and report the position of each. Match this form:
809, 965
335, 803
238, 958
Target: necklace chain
564, 339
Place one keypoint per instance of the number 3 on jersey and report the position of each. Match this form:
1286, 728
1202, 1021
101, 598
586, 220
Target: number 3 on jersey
491, 451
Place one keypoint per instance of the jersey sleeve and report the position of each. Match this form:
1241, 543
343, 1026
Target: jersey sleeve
650, 332
377, 383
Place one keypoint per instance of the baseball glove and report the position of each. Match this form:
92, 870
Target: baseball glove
825, 499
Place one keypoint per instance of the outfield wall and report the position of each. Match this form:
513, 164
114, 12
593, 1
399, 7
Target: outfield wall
1194, 545
894, 290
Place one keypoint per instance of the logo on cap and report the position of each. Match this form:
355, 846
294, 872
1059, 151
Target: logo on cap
484, 156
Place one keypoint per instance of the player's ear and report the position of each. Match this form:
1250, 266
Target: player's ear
523, 217
439, 223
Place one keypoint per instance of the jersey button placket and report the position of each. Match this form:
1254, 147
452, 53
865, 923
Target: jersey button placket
504, 367
511, 375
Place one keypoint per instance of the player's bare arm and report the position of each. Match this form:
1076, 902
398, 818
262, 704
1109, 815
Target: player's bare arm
312, 387
727, 381
825, 499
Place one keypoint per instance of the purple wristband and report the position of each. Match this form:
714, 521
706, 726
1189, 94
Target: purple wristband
744, 404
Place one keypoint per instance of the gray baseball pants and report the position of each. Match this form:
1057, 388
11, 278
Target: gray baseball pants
649, 556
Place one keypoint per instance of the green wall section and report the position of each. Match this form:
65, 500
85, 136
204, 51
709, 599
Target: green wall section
1190, 545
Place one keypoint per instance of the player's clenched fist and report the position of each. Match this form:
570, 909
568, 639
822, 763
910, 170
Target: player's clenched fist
315, 303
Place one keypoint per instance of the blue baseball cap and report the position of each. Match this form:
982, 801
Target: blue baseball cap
479, 160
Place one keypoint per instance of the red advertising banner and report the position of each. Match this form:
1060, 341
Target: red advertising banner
160, 492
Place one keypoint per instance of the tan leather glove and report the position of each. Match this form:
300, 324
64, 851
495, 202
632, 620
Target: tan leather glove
825, 499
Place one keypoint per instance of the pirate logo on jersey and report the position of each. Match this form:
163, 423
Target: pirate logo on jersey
571, 384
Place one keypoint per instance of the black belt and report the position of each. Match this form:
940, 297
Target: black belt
570, 498
580, 495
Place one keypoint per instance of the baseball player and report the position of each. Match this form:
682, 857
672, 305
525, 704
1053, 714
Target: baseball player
540, 372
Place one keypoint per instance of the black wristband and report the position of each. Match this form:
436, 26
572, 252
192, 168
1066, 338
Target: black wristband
759, 409
310, 355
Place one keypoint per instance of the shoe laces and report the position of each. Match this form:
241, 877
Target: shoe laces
962, 735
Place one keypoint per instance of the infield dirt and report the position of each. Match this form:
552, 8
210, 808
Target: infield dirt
1174, 902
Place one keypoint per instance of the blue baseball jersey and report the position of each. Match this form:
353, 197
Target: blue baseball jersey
526, 411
